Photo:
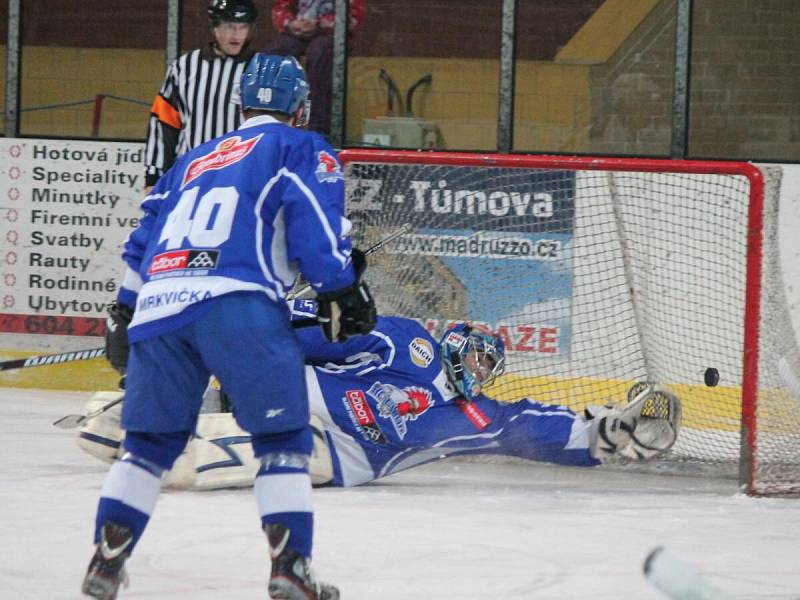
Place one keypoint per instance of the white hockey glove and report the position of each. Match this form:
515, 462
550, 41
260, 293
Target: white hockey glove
642, 430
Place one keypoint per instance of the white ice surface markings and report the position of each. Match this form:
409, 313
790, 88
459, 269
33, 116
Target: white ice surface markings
450, 531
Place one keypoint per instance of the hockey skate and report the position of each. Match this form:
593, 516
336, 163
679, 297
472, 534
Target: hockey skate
107, 568
292, 577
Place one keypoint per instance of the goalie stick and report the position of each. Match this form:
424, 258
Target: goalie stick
404, 229
677, 579
73, 421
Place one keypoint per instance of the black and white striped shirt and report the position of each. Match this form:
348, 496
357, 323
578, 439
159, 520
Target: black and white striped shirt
197, 102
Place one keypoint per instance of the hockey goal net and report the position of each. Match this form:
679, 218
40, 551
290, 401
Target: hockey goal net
600, 273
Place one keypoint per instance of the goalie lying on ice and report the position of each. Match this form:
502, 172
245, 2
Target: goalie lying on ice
396, 398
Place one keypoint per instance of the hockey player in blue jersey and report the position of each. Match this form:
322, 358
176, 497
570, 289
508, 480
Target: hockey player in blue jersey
225, 233
398, 398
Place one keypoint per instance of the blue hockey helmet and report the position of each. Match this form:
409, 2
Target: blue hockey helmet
471, 358
275, 83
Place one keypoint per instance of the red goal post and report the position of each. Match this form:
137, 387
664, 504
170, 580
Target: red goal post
601, 272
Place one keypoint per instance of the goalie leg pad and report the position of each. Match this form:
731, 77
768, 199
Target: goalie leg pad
102, 435
220, 456
321, 466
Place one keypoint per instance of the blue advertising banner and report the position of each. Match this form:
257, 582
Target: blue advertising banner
505, 235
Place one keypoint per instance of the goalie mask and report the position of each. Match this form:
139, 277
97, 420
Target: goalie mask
471, 358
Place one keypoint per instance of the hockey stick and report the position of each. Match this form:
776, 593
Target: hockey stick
404, 229
677, 579
73, 421
65, 357
62, 357
51, 359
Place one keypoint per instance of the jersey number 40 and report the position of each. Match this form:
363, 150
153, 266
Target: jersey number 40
212, 221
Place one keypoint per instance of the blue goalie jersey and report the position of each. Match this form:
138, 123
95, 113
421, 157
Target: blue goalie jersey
386, 404
245, 212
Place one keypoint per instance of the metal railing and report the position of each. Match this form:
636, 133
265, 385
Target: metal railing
97, 112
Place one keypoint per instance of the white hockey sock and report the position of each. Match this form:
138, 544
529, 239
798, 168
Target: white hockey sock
133, 485
283, 493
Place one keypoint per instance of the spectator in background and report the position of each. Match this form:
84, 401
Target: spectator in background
305, 28
198, 100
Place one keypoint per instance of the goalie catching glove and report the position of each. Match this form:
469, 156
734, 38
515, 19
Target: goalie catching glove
116, 336
647, 427
349, 311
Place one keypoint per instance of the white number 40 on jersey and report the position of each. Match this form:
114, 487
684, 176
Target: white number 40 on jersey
212, 221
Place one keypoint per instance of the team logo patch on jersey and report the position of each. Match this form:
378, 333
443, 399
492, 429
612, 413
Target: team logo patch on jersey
355, 403
418, 401
421, 352
328, 170
387, 398
228, 152
400, 405
186, 261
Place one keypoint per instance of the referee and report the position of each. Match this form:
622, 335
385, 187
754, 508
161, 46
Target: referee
198, 100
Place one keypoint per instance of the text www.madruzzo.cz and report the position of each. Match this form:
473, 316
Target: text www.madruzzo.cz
477, 245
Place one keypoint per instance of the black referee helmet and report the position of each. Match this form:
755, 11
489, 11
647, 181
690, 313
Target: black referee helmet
235, 11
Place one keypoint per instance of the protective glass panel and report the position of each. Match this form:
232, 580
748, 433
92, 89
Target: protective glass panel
745, 80
3, 58
90, 69
590, 81
424, 74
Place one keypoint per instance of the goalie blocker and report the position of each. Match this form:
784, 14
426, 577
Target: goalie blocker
220, 455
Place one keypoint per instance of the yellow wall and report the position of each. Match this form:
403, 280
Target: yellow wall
607, 29
551, 107
56, 75
462, 98
95, 374
551, 103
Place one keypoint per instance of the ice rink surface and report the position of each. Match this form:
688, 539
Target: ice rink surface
449, 531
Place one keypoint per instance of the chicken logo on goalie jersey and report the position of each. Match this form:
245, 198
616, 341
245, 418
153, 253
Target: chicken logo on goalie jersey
400, 405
